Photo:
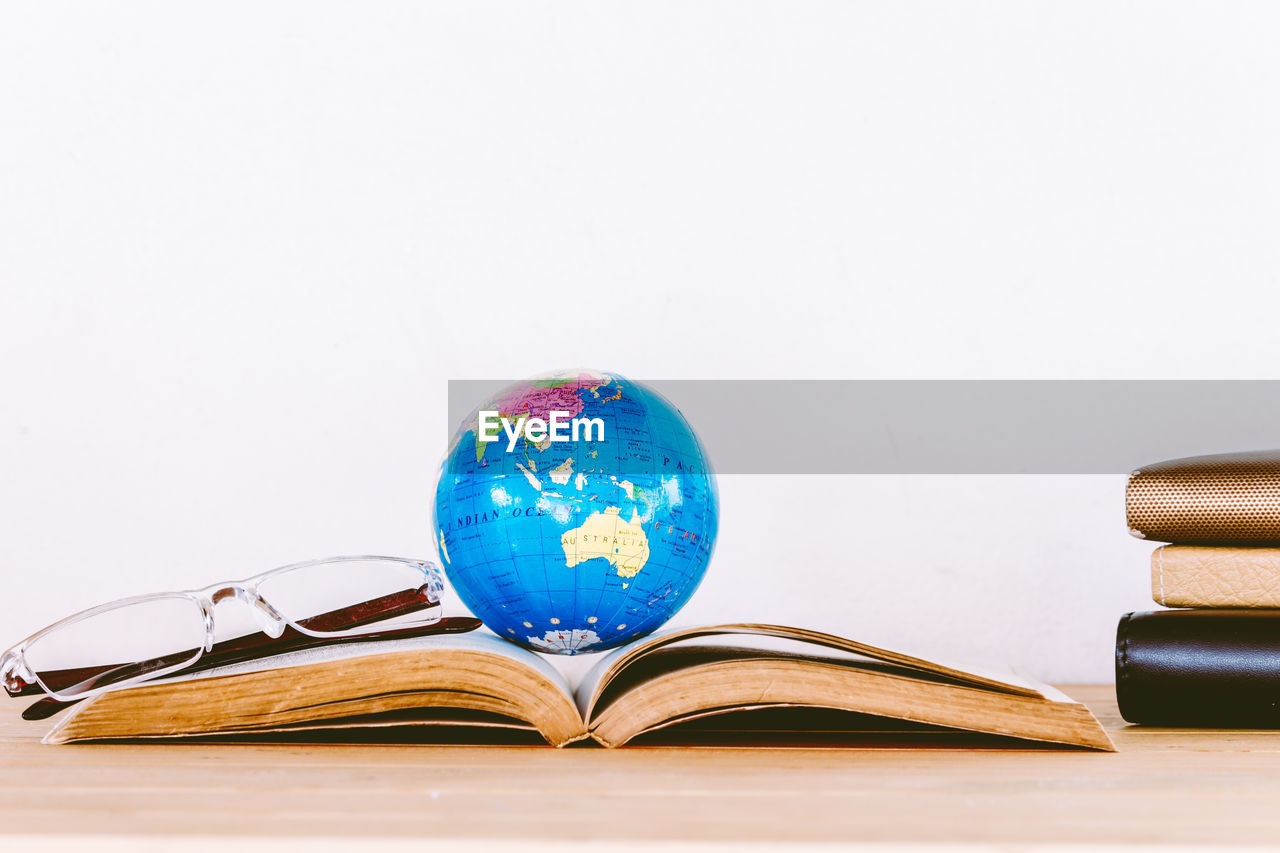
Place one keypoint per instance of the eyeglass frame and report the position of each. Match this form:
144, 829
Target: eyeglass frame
17, 674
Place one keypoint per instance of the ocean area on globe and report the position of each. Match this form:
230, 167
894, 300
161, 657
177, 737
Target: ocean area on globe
582, 540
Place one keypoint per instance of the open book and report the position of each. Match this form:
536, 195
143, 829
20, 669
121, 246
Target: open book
666, 679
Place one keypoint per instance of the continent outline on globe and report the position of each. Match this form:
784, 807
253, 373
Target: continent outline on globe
605, 535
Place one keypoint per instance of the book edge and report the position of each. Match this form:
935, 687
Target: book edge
57, 733
1098, 738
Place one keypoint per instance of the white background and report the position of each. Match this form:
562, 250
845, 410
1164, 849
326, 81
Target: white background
243, 247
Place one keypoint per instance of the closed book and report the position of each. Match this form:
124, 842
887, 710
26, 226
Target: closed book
1206, 576
1201, 668
1225, 499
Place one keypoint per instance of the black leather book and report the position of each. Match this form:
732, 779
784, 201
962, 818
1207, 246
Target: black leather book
1202, 668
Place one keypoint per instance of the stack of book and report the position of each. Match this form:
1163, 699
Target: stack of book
1215, 661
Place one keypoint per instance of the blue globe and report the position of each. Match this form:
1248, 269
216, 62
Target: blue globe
565, 540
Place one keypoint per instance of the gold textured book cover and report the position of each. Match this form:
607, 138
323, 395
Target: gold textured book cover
1200, 576
1225, 499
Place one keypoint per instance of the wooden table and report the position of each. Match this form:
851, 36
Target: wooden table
1163, 786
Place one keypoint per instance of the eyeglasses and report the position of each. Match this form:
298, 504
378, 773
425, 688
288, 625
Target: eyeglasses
149, 636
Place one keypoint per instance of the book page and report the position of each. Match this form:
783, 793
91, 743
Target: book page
477, 641
763, 636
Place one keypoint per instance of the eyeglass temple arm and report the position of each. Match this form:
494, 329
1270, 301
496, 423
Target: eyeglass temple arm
48, 706
381, 609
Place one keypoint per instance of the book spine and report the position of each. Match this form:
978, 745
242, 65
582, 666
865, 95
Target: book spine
1203, 668
1204, 508
1202, 576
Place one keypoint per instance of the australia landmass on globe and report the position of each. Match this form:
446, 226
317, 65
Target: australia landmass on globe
605, 534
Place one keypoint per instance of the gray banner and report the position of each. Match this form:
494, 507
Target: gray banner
955, 427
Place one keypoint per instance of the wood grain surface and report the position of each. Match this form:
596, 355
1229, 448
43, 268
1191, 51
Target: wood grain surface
1189, 787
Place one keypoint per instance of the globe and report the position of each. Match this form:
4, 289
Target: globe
575, 512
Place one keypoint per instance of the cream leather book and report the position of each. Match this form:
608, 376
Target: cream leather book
479, 683
1203, 576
